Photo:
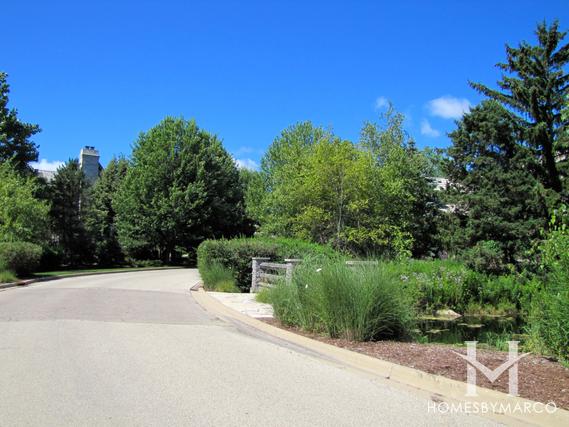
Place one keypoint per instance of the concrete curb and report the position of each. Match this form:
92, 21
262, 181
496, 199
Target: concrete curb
70, 276
443, 388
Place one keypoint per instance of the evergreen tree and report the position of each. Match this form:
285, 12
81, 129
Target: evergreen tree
494, 190
534, 87
68, 193
15, 144
101, 222
182, 187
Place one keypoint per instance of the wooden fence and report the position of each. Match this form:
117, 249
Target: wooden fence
266, 273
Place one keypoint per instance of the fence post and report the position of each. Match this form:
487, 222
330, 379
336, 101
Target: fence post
291, 263
255, 278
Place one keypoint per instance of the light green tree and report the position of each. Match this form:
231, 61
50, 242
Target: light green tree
23, 217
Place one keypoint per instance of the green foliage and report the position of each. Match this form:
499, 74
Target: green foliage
182, 187
372, 198
22, 216
217, 277
236, 254
487, 257
263, 296
364, 303
101, 221
69, 207
15, 144
448, 284
534, 85
21, 258
495, 197
549, 317
254, 192
6, 276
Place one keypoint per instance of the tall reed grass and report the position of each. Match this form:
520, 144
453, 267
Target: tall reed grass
359, 303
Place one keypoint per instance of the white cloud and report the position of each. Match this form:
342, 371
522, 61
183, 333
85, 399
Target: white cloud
246, 150
247, 164
427, 129
449, 107
46, 165
381, 103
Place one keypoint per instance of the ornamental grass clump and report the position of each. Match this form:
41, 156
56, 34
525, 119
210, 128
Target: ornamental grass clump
360, 303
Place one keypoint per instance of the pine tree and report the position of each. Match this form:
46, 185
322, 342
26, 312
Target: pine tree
495, 192
69, 204
100, 221
534, 87
15, 144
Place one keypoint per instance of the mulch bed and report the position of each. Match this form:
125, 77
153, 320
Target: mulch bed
540, 379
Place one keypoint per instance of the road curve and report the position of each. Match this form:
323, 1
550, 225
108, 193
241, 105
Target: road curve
136, 349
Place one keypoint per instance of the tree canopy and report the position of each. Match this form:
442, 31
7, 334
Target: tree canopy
22, 216
365, 198
101, 218
534, 87
15, 144
181, 188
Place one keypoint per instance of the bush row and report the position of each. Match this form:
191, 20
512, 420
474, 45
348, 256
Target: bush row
236, 254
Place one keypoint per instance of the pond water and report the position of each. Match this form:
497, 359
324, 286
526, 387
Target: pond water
481, 329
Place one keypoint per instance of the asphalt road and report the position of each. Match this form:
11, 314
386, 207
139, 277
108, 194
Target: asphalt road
136, 349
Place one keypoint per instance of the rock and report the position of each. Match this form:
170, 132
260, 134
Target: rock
447, 314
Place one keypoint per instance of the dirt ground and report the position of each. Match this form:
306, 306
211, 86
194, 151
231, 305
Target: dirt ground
540, 379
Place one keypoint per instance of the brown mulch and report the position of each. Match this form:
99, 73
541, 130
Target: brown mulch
540, 379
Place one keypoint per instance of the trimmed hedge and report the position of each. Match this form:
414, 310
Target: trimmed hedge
21, 258
236, 254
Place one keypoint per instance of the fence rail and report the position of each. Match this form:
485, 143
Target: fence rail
267, 274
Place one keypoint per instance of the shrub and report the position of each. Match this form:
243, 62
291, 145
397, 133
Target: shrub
216, 277
362, 303
20, 257
486, 257
236, 254
549, 316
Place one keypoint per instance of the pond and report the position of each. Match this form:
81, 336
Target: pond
482, 329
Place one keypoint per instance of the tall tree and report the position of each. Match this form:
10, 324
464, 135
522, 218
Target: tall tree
182, 187
23, 217
371, 197
405, 197
101, 219
534, 87
492, 184
15, 144
69, 207
254, 192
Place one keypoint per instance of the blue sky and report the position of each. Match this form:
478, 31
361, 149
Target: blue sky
98, 73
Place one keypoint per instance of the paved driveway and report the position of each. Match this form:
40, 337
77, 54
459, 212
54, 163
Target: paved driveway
136, 349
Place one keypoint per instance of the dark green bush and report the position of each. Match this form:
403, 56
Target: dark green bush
486, 257
236, 254
22, 258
